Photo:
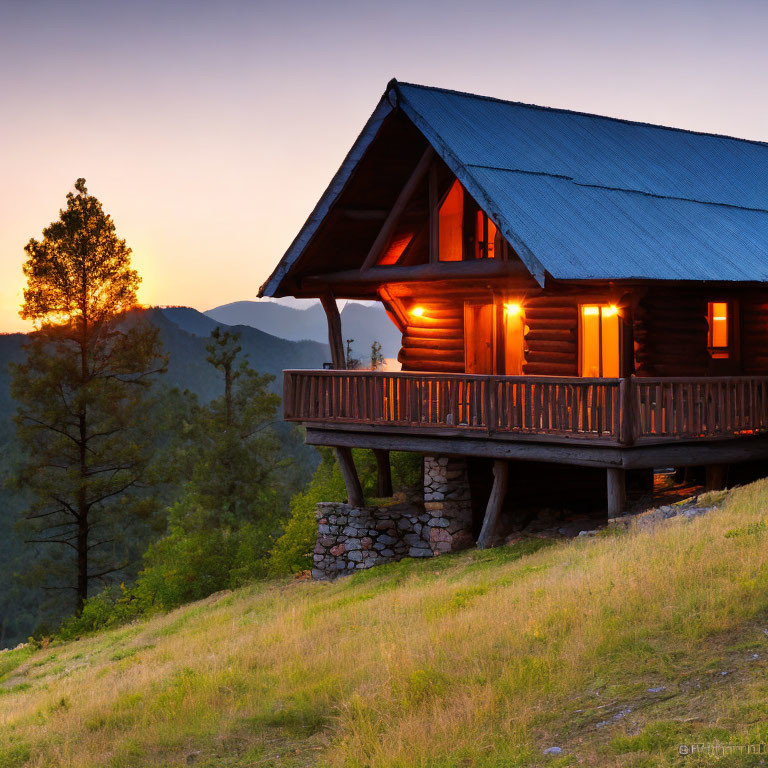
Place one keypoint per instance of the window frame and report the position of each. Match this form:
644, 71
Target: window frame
602, 304
726, 352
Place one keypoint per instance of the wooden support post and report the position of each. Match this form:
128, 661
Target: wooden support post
349, 473
334, 331
495, 503
715, 477
384, 473
617, 491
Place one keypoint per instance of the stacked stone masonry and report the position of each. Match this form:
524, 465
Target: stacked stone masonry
351, 538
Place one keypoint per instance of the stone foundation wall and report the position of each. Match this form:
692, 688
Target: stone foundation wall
447, 497
353, 538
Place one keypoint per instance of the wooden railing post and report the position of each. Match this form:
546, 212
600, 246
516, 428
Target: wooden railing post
628, 401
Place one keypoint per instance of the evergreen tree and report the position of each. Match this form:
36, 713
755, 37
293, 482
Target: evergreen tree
240, 458
82, 399
376, 357
222, 527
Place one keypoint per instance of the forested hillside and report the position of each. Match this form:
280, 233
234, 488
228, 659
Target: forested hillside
184, 334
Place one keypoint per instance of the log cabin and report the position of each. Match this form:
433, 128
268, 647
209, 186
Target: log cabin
572, 291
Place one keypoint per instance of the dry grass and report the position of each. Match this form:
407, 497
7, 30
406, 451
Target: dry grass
480, 659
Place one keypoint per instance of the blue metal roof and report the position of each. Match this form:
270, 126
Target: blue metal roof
581, 196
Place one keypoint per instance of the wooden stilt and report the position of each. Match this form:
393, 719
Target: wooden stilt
495, 503
349, 473
334, 331
384, 472
715, 477
617, 491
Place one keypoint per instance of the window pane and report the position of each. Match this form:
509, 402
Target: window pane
590, 341
491, 239
449, 224
610, 321
718, 331
600, 341
514, 339
483, 250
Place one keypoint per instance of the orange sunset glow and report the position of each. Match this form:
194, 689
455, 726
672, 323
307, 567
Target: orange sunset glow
209, 133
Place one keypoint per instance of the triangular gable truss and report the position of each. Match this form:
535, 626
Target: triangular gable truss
423, 172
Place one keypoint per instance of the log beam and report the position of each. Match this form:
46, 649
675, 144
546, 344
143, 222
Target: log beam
617, 491
349, 473
383, 473
378, 275
334, 331
495, 503
382, 239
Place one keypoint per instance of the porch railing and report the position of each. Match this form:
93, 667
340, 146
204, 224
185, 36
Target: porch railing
611, 410
699, 407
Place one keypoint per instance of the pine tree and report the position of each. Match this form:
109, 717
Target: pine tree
223, 525
376, 357
82, 399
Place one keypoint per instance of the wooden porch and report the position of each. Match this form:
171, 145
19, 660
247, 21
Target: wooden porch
610, 412
617, 424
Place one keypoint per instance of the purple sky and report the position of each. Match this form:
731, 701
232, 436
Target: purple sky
209, 129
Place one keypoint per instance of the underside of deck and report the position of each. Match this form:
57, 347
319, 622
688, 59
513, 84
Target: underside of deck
512, 447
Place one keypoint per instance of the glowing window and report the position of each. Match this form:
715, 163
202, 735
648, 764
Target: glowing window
485, 236
599, 341
514, 339
717, 314
449, 225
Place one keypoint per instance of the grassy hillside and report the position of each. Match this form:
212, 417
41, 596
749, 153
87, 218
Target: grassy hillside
613, 649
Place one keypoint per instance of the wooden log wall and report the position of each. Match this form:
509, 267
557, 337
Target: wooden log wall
670, 333
754, 334
435, 342
551, 344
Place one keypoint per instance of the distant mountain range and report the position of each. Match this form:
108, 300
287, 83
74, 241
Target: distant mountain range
273, 336
184, 333
363, 323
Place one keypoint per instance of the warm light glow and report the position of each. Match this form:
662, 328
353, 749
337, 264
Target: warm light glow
599, 340
450, 225
718, 328
418, 311
513, 309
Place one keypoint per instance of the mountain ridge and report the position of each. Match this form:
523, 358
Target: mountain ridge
361, 323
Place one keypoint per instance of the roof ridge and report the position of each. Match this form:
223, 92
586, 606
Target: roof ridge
617, 189
397, 83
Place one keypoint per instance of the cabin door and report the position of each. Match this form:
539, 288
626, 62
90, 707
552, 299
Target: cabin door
479, 338
494, 336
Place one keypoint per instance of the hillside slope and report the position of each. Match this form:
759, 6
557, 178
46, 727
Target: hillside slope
609, 651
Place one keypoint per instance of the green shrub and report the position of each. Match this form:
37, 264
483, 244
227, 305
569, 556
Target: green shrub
110, 608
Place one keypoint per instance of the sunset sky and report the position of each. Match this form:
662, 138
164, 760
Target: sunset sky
210, 129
